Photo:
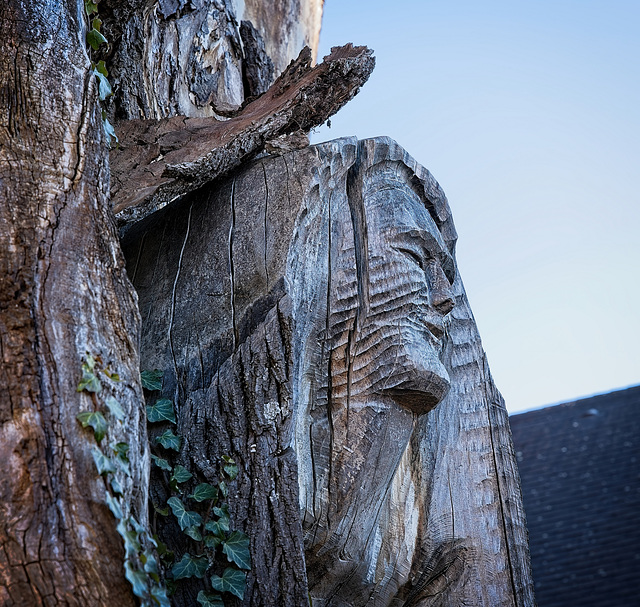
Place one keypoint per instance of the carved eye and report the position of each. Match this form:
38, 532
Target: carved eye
411, 255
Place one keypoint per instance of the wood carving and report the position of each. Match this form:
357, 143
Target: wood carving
312, 323
158, 161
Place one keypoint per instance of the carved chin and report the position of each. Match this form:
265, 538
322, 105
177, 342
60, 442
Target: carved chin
425, 385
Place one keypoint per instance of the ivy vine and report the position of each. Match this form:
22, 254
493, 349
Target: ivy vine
201, 511
200, 508
95, 40
112, 464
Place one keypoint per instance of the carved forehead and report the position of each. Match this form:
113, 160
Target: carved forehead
393, 208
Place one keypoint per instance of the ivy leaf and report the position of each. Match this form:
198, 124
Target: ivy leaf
102, 68
121, 450
89, 381
108, 129
169, 440
232, 581
162, 548
161, 511
215, 528
90, 362
114, 506
116, 487
137, 579
209, 599
104, 90
237, 549
171, 586
159, 595
96, 420
186, 518
103, 463
190, 566
204, 491
150, 564
115, 408
223, 489
94, 37
212, 541
161, 410
152, 380
130, 536
90, 7
193, 533
230, 467
181, 474
136, 525
223, 517
163, 464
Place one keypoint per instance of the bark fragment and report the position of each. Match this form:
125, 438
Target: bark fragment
160, 160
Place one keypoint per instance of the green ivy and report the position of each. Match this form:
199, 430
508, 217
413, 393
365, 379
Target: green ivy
95, 39
141, 567
151, 380
161, 410
202, 514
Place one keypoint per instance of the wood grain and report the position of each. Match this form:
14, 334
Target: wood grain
158, 161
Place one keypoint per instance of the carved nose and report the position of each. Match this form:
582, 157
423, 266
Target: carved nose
440, 293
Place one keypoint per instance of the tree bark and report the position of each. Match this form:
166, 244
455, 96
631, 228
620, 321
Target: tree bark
190, 58
63, 294
158, 161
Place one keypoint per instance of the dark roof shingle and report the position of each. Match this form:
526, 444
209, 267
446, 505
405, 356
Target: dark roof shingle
579, 466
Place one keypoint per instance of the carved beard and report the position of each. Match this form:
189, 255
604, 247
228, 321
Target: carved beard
395, 350
382, 370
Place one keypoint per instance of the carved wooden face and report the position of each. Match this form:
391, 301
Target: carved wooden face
389, 293
407, 286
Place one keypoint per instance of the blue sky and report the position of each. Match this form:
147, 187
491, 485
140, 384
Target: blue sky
528, 114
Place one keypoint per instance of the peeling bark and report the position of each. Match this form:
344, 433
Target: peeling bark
158, 161
188, 57
63, 293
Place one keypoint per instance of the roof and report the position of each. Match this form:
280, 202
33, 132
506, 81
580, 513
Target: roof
579, 466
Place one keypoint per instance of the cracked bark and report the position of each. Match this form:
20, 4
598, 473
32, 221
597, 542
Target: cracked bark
194, 58
63, 293
158, 161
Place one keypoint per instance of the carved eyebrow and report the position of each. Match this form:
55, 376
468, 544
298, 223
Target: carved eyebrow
428, 247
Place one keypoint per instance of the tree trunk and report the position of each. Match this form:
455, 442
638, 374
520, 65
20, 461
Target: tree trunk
193, 58
301, 309
312, 324
64, 296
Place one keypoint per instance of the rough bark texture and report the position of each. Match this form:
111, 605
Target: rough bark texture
63, 293
188, 57
160, 160
311, 322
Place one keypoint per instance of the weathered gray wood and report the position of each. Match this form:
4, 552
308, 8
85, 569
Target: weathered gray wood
157, 161
303, 311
